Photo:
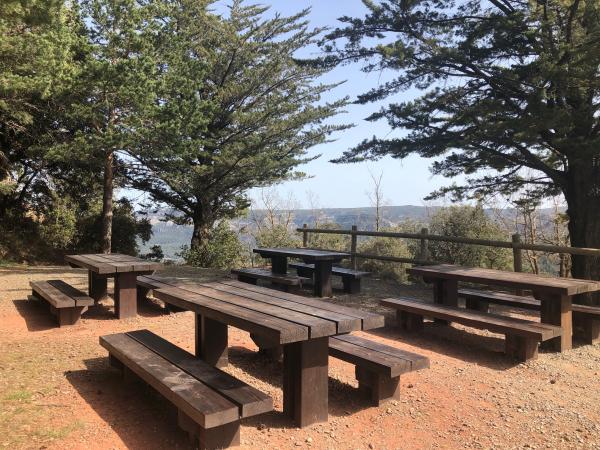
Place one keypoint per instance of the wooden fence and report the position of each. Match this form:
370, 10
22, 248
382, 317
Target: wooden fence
424, 237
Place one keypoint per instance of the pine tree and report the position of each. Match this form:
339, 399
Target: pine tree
511, 97
236, 111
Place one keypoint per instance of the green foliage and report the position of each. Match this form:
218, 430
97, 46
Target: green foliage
381, 246
58, 229
471, 222
222, 250
278, 235
240, 116
155, 254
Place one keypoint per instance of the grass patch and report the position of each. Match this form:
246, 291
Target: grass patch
60, 432
21, 395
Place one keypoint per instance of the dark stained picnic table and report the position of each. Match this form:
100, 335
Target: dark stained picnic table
123, 268
301, 325
322, 259
555, 294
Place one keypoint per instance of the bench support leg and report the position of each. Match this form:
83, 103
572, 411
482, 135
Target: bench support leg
377, 386
273, 351
351, 285
125, 295
445, 292
248, 280
223, 436
305, 381
211, 341
322, 284
408, 321
69, 316
477, 305
97, 286
304, 272
521, 348
586, 329
556, 310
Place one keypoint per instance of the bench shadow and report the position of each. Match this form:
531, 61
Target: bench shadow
454, 342
344, 399
37, 317
133, 410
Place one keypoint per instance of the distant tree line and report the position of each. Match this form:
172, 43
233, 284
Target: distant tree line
162, 97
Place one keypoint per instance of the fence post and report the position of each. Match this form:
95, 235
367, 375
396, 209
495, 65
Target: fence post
353, 241
424, 250
517, 257
305, 236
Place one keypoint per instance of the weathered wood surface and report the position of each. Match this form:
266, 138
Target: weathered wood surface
539, 283
250, 401
60, 294
273, 277
305, 254
492, 322
108, 264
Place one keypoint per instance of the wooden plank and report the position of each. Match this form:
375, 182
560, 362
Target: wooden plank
302, 253
561, 286
342, 271
492, 322
90, 264
500, 298
116, 265
197, 400
318, 327
591, 311
370, 359
416, 361
369, 320
80, 297
344, 323
52, 295
277, 330
151, 282
263, 274
249, 400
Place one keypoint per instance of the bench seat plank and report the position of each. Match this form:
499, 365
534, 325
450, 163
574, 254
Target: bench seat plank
265, 274
336, 270
492, 322
201, 403
249, 400
65, 302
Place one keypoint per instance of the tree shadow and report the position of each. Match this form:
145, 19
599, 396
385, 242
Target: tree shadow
133, 410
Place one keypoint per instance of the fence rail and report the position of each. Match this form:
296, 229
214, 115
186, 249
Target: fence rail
424, 237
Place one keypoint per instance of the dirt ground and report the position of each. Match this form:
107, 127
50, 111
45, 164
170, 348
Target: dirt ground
57, 390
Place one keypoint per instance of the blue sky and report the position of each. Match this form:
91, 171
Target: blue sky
405, 181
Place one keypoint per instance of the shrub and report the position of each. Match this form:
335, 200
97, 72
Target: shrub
385, 247
329, 241
222, 250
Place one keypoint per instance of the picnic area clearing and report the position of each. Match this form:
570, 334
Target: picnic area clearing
57, 389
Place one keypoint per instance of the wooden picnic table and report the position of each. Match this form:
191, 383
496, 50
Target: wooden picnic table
123, 268
555, 294
322, 259
301, 325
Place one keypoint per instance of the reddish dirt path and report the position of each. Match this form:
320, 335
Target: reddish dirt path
57, 391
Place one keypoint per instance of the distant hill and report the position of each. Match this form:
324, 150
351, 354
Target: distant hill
171, 237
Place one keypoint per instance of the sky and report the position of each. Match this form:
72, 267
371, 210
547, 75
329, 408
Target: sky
405, 181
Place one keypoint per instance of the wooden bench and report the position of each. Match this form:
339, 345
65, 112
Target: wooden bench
66, 302
252, 274
350, 278
378, 366
209, 402
522, 336
587, 318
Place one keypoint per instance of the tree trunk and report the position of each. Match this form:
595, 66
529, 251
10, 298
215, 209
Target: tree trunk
201, 233
107, 203
583, 200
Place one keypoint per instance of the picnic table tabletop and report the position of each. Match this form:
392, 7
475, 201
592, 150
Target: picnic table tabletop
517, 280
113, 263
301, 325
307, 254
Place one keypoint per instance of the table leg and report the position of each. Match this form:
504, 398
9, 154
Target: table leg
305, 389
125, 295
96, 286
445, 292
322, 283
557, 310
279, 264
211, 341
